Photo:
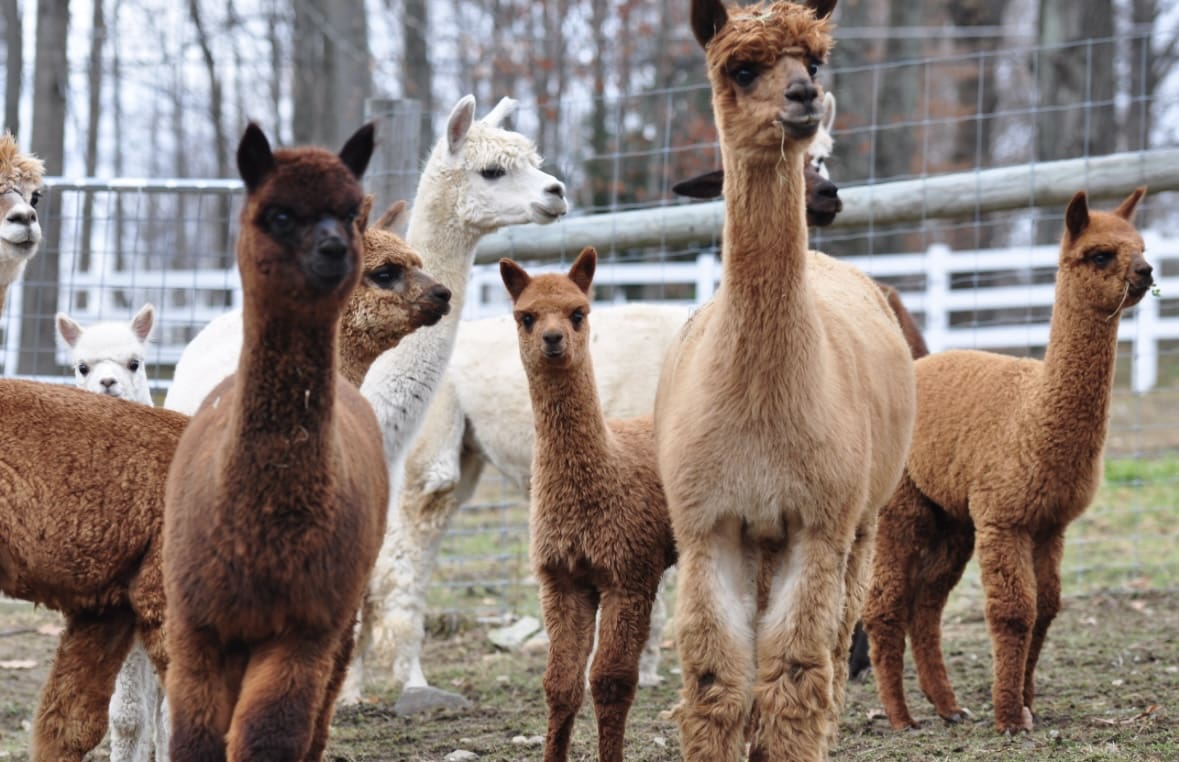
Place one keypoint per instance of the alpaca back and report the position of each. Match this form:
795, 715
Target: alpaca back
82, 507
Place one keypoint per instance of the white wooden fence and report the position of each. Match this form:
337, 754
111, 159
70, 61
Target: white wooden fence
946, 311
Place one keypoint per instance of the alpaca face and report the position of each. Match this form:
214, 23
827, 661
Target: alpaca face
496, 173
298, 243
762, 62
1102, 256
108, 358
395, 296
552, 313
20, 230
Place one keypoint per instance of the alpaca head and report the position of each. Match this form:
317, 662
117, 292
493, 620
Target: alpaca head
108, 357
552, 313
298, 250
487, 176
1102, 266
394, 297
20, 231
762, 60
823, 203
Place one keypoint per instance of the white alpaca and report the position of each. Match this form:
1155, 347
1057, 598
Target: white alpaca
108, 358
479, 178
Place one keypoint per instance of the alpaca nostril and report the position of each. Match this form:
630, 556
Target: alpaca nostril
552, 338
19, 217
441, 293
107, 383
332, 247
1145, 270
802, 91
557, 189
828, 190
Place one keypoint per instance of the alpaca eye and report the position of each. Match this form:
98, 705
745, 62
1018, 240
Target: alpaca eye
133, 366
280, 221
527, 320
576, 318
386, 275
36, 197
493, 173
1101, 258
812, 68
744, 74
83, 368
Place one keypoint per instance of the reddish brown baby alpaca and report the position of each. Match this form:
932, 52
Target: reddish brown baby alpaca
599, 526
275, 502
1006, 453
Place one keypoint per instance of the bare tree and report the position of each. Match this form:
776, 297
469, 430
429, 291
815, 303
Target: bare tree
50, 89
14, 63
333, 70
93, 122
220, 139
417, 76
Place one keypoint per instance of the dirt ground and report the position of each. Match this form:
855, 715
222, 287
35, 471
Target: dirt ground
1108, 681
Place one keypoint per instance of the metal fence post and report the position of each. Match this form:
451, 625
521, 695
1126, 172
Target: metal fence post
394, 167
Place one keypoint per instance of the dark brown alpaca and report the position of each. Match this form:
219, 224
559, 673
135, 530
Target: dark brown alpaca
275, 502
601, 536
1006, 453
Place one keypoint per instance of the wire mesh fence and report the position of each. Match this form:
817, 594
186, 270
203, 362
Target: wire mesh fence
111, 245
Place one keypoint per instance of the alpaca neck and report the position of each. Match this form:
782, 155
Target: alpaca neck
766, 304
356, 356
284, 403
446, 245
570, 428
1078, 378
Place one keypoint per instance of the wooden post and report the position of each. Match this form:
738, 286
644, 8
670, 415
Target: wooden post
393, 170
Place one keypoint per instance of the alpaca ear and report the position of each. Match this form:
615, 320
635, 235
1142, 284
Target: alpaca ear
505, 108
707, 185
254, 158
359, 149
460, 121
828, 120
582, 272
366, 208
514, 277
1076, 217
68, 329
822, 8
393, 219
708, 18
1128, 207
143, 321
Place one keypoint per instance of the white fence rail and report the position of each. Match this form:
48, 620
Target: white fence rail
947, 311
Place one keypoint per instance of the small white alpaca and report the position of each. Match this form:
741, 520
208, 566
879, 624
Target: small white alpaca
108, 358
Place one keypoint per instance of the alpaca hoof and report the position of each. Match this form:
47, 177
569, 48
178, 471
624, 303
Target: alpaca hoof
1025, 724
425, 698
957, 716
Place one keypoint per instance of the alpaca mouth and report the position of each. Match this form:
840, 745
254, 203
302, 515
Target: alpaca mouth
1139, 289
431, 312
800, 127
543, 215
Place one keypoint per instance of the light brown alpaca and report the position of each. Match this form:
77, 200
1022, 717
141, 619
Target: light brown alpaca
20, 231
275, 502
600, 535
782, 418
1006, 452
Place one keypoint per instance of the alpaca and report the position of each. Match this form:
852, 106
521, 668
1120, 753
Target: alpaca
1006, 452
20, 231
108, 358
479, 177
822, 196
600, 534
395, 297
777, 440
275, 501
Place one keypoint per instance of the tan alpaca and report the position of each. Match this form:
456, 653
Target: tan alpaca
782, 418
598, 522
20, 231
1006, 453
275, 500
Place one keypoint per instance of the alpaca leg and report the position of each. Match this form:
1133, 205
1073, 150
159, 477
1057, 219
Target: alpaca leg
941, 568
323, 723
133, 708
1009, 585
72, 715
282, 693
796, 640
859, 562
649, 676
200, 695
625, 622
714, 632
1047, 557
903, 531
569, 608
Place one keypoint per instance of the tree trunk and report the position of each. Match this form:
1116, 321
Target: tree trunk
600, 173
14, 63
220, 140
417, 82
50, 88
333, 70
97, 40
1145, 75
